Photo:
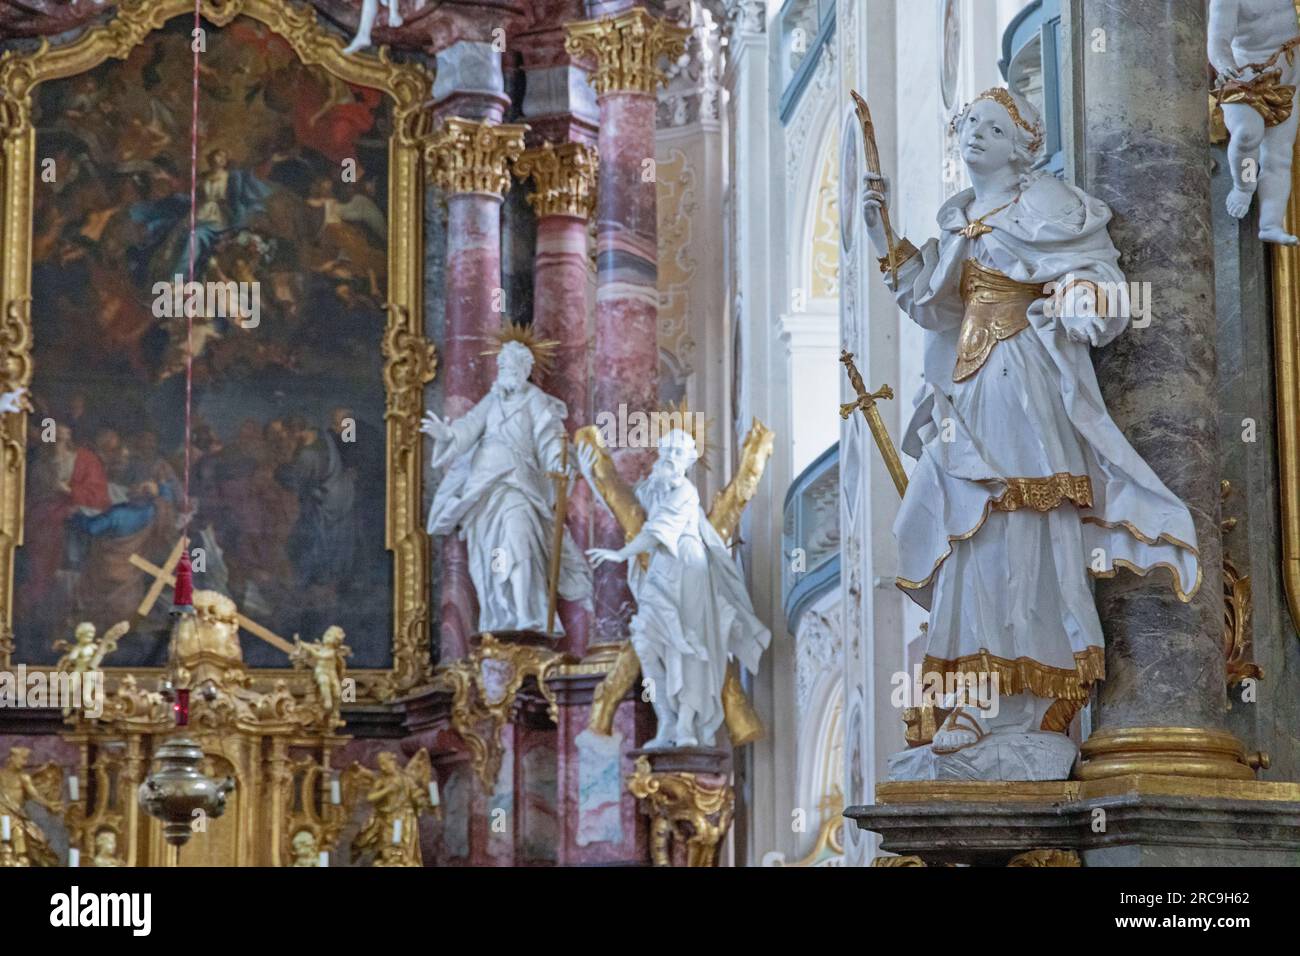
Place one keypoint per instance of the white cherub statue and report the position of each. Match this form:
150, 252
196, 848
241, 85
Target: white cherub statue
11, 402
1023, 486
370, 10
1253, 47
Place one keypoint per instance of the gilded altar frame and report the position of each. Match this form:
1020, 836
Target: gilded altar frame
1286, 362
410, 360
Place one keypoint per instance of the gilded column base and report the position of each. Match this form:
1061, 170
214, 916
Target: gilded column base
1169, 751
689, 807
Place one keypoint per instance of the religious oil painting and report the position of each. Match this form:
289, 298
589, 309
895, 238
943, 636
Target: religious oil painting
287, 456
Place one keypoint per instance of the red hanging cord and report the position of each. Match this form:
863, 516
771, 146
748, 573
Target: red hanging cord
182, 598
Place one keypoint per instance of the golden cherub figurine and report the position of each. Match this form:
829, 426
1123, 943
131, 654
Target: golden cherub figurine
22, 842
85, 653
326, 659
105, 849
306, 851
397, 797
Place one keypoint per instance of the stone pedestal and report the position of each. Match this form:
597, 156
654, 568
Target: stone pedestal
687, 794
1129, 820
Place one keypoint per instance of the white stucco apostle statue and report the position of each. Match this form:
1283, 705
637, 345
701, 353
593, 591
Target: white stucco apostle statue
498, 494
1253, 46
1023, 486
692, 610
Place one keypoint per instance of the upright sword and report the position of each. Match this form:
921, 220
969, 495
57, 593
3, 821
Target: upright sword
867, 402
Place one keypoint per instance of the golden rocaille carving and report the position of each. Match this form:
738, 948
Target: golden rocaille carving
1045, 494
468, 156
483, 686
697, 810
564, 179
1045, 858
626, 50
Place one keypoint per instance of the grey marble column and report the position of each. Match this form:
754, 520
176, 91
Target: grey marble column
1145, 141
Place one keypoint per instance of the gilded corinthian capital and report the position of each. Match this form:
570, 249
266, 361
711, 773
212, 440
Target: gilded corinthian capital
564, 179
466, 156
626, 49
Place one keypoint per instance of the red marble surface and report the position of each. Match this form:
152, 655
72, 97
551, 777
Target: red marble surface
626, 361
560, 314
473, 289
634, 725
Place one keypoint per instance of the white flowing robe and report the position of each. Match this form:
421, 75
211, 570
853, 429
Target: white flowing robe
693, 611
497, 492
1009, 591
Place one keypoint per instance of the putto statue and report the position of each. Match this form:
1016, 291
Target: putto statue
369, 12
305, 849
106, 850
499, 493
693, 612
85, 653
22, 842
327, 660
1253, 47
12, 402
1023, 483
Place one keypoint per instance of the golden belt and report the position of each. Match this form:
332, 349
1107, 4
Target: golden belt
995, 310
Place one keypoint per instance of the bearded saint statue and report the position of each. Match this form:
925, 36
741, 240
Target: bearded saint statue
498, 495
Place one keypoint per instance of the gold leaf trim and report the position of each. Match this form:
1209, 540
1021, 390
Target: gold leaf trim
1026, 674
1045, 494
1183, 596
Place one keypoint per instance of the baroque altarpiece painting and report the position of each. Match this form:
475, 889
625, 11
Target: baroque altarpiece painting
305, 474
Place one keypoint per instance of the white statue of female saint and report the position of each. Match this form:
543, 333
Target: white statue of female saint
1254, 46
499, 494
692, 610
1023, 483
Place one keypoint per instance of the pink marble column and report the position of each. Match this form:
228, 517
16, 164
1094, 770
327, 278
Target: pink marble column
626, 350
625, 50
470, 161
564, 184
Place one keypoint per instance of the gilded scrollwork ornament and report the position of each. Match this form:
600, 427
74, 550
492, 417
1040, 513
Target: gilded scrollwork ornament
693, 808
484, 686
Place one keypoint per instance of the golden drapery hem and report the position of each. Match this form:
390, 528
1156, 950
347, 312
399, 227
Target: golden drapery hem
1183, 596
1026, 674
